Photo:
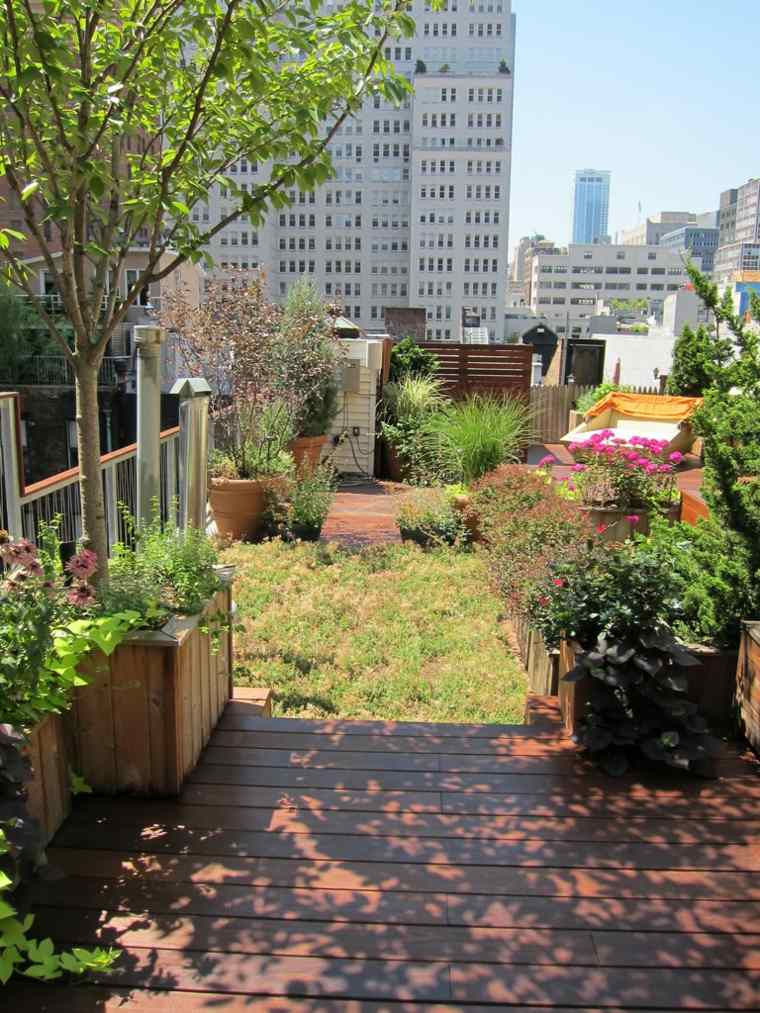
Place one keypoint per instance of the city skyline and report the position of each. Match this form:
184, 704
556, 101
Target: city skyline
652, 102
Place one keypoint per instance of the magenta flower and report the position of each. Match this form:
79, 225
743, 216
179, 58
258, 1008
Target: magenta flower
83, 565
558, 582
665, 469
81, 595
546, 462
676, 457
601, 528
632, 455
578, 468
633, 519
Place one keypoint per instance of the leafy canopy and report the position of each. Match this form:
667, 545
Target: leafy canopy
117, 118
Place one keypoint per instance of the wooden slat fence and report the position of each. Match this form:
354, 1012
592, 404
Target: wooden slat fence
551, 407
479, 369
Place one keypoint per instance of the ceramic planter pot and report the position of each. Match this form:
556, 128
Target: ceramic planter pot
307, 451
239, 505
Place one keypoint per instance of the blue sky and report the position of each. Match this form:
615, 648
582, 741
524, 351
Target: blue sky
665, 96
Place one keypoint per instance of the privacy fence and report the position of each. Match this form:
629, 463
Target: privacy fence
551, 406
481, 369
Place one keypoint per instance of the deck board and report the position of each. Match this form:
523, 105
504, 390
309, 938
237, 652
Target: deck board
345, 867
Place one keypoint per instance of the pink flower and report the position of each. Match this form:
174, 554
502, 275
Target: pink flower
633, 519
83, 565
632, 455
546, 462
558, 582
19, 553
34, 568
571, 485
578, 468
601, 528
676, 457
543, 601
81, 595
650, 468
665, 469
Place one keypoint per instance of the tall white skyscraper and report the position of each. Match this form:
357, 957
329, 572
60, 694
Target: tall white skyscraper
418, 212
591, 206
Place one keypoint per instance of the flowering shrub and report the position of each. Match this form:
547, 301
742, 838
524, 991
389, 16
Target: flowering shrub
429, 518
525, 525
613, 604
626, 474
46, 627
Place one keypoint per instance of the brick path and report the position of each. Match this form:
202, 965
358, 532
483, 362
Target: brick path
364, 515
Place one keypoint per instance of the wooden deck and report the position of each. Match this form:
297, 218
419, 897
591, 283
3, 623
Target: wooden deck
325, 866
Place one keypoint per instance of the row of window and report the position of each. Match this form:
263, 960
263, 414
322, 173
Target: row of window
480, 288
393, 289
487, 30
582, 269
241, 238
391, 127
451, 142
438, 28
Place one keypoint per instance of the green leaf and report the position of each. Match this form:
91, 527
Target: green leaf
6, 911
30, 189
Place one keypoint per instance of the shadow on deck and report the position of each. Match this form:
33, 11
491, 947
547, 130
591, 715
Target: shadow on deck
324, 866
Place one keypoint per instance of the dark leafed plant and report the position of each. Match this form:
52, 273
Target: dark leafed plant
612, 604
408, 359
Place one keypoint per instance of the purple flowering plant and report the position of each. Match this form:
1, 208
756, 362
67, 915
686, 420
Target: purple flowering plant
48, 622
628, 474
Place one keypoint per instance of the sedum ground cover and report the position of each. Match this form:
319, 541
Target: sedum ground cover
390, 632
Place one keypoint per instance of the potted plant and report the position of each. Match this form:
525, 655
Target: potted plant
150, 702
429, 518
620, 482
298, 511
242, 474
624, 689
312, 351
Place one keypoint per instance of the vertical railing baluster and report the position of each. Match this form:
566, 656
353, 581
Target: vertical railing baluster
12, 475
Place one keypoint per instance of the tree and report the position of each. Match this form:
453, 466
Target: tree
697, 357
729, 420
117, 119
629, 305
20, 331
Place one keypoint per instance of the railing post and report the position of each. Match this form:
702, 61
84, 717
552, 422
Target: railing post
111, 504
12, 478
194, 394
169, 478
148, 343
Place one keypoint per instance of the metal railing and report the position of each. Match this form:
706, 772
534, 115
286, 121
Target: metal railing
55, 371
23, 507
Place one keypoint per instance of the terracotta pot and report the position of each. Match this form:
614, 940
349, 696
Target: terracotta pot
392, 468
238, 505
307, 450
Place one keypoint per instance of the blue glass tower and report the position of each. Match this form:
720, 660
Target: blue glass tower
591, 211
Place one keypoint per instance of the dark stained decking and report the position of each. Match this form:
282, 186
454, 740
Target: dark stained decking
325, 866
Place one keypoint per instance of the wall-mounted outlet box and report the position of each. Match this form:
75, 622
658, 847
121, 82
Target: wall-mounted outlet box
352, 378
356, 431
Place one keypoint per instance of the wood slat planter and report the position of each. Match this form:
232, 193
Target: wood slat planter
49, 791
712, 686
541, 663
748, 683
149, 709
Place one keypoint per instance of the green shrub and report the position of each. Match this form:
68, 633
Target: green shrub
168, 570
717, 587
408, 359
609, 602
405, 408
462, 441
429, 518
587, 401
525, 526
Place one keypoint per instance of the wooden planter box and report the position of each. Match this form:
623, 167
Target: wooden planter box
49, 791
541, 663
617, 528
711, 686
748, 683
149, 709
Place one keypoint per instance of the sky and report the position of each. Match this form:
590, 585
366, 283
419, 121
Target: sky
665, 96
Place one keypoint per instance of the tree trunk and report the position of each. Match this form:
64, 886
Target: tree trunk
90, 483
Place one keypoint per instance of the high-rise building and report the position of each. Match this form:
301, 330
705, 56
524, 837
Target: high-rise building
567, 285
698, 240
591, 206
739, 249
417, 214
651, 231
